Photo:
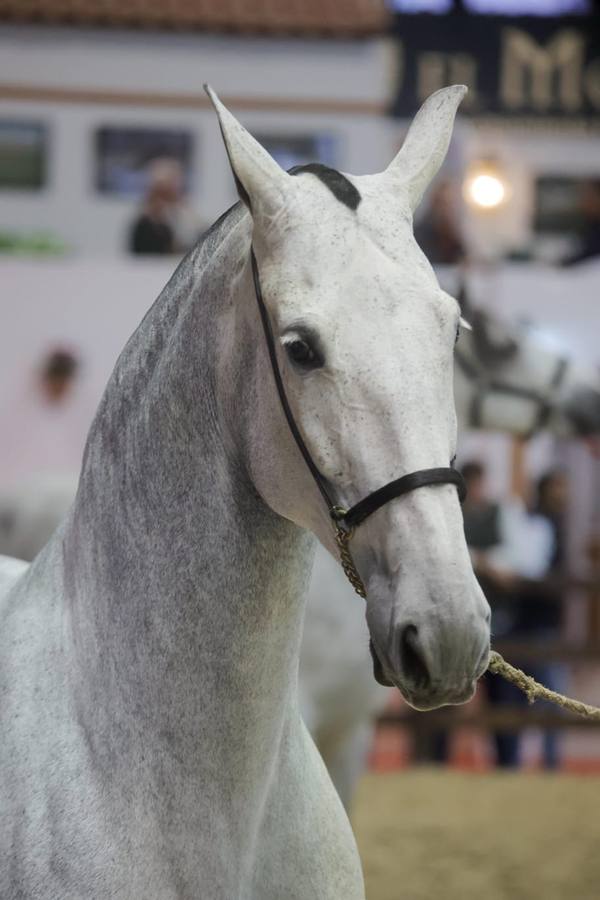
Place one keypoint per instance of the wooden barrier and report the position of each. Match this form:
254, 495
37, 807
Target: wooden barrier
510, 719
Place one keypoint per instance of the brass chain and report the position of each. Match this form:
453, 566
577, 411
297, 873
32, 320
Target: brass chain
342, 538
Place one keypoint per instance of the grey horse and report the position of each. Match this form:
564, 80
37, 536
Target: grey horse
151, 741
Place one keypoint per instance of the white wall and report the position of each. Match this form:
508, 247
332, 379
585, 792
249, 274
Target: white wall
178, 64
524, 152
256, 68
94, 305
168, 62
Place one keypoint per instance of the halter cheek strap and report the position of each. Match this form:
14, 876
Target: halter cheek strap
346, 520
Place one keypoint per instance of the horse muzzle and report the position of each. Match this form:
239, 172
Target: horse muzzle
432, 672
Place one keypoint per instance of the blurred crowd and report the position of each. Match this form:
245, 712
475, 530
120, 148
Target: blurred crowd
519, 553
166, 223
440, 232
523, 552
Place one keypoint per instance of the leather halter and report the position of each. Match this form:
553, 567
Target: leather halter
346, 520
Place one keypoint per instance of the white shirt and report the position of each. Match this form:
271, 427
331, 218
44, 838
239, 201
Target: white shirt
527, 542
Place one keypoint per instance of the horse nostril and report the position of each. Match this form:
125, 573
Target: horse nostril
411, 658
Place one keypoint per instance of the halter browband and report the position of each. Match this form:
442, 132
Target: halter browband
346, 520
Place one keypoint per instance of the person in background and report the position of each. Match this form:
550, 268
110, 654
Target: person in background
540, 604
438, 232
488, 536
49, 416
57, 375
165, 224
589, 238
507, 545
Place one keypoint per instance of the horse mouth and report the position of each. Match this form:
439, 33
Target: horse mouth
425, 700
426, 703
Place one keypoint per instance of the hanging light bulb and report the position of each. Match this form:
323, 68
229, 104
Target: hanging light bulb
485, 187
487, 191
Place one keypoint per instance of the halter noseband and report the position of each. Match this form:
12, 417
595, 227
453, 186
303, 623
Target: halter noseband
347, 520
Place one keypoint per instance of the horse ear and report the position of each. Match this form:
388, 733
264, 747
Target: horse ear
261, 183
426, 143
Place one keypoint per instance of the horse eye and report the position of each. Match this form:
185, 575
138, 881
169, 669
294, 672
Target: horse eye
301, 353
457, 333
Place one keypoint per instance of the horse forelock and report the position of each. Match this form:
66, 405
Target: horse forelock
340, 186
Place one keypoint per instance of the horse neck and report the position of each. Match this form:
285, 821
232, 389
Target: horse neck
184, 589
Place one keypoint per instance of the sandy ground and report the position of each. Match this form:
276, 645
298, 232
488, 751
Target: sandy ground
426, 834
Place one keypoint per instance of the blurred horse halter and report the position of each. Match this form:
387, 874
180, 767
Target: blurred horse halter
489, 354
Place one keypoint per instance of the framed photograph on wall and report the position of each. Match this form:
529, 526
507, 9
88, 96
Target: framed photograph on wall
123, 157
298, 149
558, 208
23, 155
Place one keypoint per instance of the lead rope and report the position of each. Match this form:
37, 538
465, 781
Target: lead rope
536, 691
497, 664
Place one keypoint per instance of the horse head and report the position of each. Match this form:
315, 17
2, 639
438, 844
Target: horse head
518, 384
364, 341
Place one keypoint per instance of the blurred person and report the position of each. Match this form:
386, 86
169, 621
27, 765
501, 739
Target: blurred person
506, 545
509, 572
438, 232
57, 375
589, 237
32, 508
165, 224
540, 605
550, 504
44, 421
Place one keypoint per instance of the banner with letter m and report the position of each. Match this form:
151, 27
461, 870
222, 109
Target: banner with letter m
524, 66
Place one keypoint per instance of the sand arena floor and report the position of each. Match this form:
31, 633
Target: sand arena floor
428, 834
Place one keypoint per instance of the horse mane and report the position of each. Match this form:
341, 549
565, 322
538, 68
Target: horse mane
212, 238
139, 369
